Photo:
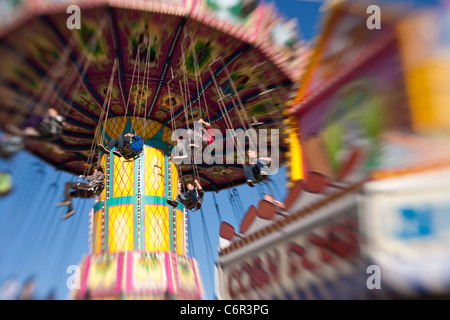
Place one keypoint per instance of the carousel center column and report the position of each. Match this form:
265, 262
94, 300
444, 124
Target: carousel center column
138, 242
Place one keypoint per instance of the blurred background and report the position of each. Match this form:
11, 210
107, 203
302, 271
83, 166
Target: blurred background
360, 95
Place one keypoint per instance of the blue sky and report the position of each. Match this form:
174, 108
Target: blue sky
34, 241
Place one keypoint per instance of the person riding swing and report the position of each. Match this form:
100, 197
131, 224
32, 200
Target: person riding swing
48, 127
191, 199
83, 189
253, 173
127, 145
206, 138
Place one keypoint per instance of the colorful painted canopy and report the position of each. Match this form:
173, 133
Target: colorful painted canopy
186, 54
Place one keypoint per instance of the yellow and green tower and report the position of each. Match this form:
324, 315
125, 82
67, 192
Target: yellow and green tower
138, 243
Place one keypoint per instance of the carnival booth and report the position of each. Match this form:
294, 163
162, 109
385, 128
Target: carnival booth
371, 120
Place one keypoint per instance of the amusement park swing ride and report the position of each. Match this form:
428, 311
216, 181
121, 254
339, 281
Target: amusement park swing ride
150, 68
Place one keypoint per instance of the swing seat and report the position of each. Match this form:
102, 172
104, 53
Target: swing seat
129, 154
189, 204
45, 133
258, 176
85, 192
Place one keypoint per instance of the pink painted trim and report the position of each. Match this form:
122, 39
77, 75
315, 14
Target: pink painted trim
194, 2
129, 274
177, 288
119, 273
91, 229
169, 273
197, 279
254, 37
83, 286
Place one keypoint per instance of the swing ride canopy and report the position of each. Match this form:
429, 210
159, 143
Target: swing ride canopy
168, 61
